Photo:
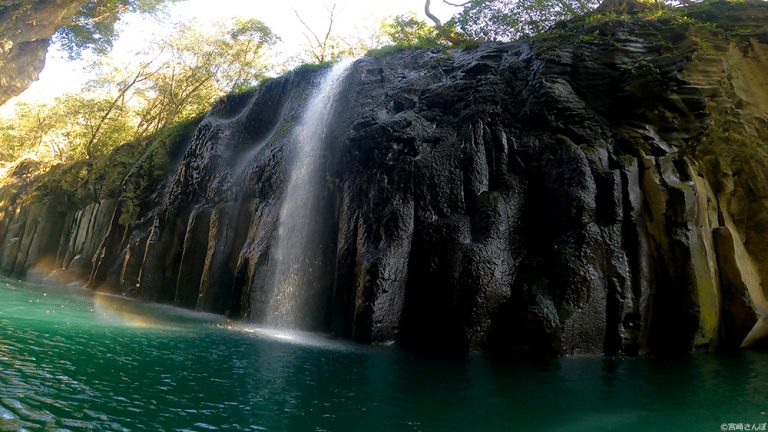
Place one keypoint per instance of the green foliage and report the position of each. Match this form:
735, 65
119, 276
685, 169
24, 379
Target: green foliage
130, 172
387, 49
409, 31
62, 181
90, 129
313, 66
390, 49
125, 103
28, 130
242, 48
198, 69
401, 32
154, 164
512, 19
93, 27
16, 178
74, 127
11, 147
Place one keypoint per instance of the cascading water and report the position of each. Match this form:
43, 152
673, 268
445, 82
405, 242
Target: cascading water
245, 160
296, 249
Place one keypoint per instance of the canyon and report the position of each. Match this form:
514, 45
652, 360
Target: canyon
598, 189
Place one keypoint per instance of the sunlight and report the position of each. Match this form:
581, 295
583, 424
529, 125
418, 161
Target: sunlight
356, 20
115, 308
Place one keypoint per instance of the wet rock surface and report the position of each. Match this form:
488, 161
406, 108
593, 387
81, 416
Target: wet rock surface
582, 193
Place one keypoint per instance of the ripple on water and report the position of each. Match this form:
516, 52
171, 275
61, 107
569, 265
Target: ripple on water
76, 371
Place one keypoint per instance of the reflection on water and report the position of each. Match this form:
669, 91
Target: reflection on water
71, 360
119, 310
113, 308
291, 336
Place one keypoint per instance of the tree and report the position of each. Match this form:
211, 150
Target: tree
327, 46
506, 20
184, 75
445, 31
93, 27
198, 68
73, 127
28, 131
114, 105
245, 44
92, 126
9, 146
407, 30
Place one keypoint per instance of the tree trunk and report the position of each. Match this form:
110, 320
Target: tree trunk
443, 31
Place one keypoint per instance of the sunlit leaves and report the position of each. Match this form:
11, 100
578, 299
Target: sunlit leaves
194, 68
408, 30
93, 27
511, 19
182, 77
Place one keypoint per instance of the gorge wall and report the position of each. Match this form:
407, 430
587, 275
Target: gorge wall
602, 188
26, 27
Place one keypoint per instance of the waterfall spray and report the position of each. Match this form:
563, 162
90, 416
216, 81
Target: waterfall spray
296, 249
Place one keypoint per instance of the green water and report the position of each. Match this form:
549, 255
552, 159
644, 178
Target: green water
70, 360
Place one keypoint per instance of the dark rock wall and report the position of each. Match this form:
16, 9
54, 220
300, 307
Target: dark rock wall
603, 193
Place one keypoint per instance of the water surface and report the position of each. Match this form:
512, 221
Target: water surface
71, 360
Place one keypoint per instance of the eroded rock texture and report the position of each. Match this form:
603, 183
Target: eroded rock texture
26, 27
596, 191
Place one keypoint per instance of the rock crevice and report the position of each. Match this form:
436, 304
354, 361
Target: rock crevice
599, 191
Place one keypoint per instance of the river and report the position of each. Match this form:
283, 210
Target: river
74, 360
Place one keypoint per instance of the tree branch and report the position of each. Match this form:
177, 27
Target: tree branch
319, 47
120, 9
441, 29
466, 3
330, 27
567, 7
140, 76
317, 39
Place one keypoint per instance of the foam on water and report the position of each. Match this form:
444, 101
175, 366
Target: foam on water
310, 339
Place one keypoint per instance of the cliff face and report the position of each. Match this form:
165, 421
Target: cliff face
601, 189
26, 27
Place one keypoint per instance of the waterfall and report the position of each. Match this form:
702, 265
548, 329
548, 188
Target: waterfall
246, 159
296, 250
